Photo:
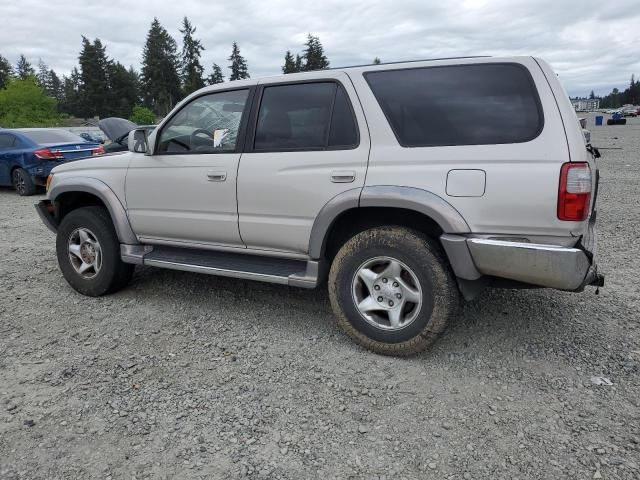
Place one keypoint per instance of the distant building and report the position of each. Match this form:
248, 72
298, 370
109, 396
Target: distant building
585, 104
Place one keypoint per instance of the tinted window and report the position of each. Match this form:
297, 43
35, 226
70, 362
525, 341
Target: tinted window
343, 126
303, 116
459, 105
209, 124
6, 140
52, 136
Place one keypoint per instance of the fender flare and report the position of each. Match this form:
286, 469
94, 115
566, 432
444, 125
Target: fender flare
106, 195
410, 198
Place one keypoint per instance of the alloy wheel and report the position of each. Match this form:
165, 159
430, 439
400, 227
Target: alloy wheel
85, 253
387, 293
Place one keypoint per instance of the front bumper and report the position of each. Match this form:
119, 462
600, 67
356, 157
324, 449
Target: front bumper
552, 266
45, 212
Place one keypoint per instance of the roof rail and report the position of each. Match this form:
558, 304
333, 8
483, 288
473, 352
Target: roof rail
409, 61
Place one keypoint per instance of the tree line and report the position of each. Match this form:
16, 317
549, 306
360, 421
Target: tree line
616, 99
104, 87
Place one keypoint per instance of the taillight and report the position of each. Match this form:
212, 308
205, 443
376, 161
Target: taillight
47, 154
99, 150
574, 193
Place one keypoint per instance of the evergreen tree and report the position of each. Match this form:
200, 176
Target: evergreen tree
55, 87
298, 67
44, 77
71, 93
238, 64
123, 90
634, 91
160, 79
314, 56
94, 82
24, 68
289, 63
6, 72
377, 61
592, 95
191, 68
216, 75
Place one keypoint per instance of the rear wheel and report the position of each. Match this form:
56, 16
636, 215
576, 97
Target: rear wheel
88, 252
392, 290
23, 183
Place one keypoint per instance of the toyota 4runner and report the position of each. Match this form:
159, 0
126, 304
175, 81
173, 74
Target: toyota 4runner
405, 187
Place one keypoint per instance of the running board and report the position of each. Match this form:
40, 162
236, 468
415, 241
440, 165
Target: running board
297, 273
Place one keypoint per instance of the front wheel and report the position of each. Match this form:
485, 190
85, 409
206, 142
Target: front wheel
392, 290
88, 252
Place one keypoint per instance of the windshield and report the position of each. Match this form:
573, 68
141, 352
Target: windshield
42, 137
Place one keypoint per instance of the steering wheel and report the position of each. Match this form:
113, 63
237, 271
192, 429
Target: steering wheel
195, 133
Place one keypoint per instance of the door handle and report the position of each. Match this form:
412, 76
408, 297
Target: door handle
217, 176
343, 176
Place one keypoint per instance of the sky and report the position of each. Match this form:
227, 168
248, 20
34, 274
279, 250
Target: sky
591, 44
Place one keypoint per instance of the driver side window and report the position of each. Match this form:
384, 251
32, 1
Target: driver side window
208, 124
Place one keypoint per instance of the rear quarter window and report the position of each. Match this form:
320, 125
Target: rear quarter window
459, 104
6, 141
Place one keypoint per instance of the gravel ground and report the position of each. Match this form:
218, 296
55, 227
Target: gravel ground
191, 376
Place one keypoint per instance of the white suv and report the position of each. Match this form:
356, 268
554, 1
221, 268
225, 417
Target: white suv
406, 185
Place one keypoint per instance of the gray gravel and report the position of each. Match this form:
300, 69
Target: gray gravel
191, 376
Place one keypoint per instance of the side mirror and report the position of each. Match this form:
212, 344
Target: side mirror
137, 141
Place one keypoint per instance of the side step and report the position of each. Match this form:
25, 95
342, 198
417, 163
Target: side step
297, 273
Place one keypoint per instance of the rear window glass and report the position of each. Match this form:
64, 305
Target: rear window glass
6, 140
52, 136
459, 105
305, 116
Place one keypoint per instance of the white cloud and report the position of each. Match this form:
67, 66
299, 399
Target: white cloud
590, 44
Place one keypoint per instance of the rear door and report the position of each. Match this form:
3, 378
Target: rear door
308, 142
186, 191
6, 157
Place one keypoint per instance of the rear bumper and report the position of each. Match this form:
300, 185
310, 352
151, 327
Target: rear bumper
42, 169
45, 212
549, 266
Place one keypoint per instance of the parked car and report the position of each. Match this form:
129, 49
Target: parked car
629, 111
27, 155
403, 186
91, 137
617, 118
117, 130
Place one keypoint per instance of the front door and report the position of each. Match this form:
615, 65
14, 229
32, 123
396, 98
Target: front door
186, 191
308, 143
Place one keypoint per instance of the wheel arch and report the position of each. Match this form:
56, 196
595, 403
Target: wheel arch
80, 192
357, 208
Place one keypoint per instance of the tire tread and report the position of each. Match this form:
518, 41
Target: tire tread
447, 299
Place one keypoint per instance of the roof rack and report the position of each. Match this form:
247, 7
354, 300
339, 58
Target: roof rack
409, 61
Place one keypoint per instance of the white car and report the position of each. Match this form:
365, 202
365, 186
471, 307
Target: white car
404, 186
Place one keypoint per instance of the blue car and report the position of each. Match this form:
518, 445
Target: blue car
27, 155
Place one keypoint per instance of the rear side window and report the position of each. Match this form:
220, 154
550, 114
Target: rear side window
459, 105
6, 140
305, 116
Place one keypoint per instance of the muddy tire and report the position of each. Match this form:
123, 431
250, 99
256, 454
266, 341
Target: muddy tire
88, 252
392, 290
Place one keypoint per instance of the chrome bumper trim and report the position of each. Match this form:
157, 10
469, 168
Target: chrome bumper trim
543, 265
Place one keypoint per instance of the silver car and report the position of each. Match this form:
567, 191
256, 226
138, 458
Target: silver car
404, 187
